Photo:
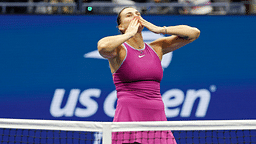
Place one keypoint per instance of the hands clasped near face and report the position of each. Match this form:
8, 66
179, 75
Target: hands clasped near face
138, 23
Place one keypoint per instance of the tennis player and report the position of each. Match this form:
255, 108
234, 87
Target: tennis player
137, 72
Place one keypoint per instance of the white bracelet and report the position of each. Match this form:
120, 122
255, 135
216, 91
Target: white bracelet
165, 30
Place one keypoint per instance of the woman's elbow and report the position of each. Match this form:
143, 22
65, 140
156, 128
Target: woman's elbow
105, 52
101, 44
193, 32
102, 51
101, 47
196, 33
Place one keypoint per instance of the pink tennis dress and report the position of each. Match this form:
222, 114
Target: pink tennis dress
137, 84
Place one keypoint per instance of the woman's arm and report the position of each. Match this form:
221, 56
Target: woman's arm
181, 35
184, 31
107, 46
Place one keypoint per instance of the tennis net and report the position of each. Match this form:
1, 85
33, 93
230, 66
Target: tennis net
14, 131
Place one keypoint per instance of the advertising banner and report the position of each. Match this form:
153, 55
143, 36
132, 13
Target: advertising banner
51, 69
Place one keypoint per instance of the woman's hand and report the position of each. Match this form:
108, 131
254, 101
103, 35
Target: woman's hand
150, 26
133, 27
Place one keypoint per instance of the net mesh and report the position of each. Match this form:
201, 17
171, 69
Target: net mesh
216, 137
34, 136
192, 132
189, 137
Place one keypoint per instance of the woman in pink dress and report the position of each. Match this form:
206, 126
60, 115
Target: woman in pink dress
137, 73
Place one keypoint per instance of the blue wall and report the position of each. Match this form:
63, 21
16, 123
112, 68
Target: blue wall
42, 59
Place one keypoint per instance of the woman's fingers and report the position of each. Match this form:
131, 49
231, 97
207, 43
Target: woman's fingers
136, 22
137, 25
137, 17
142, 22
133, 26
133, 22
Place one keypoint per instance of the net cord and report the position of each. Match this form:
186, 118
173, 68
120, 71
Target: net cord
185, 125
108, 127
51, 125
127, 126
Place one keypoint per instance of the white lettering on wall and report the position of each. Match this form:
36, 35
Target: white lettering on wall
68, 109
176, 103
90, 104
109, 104
204, 96
172, 98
